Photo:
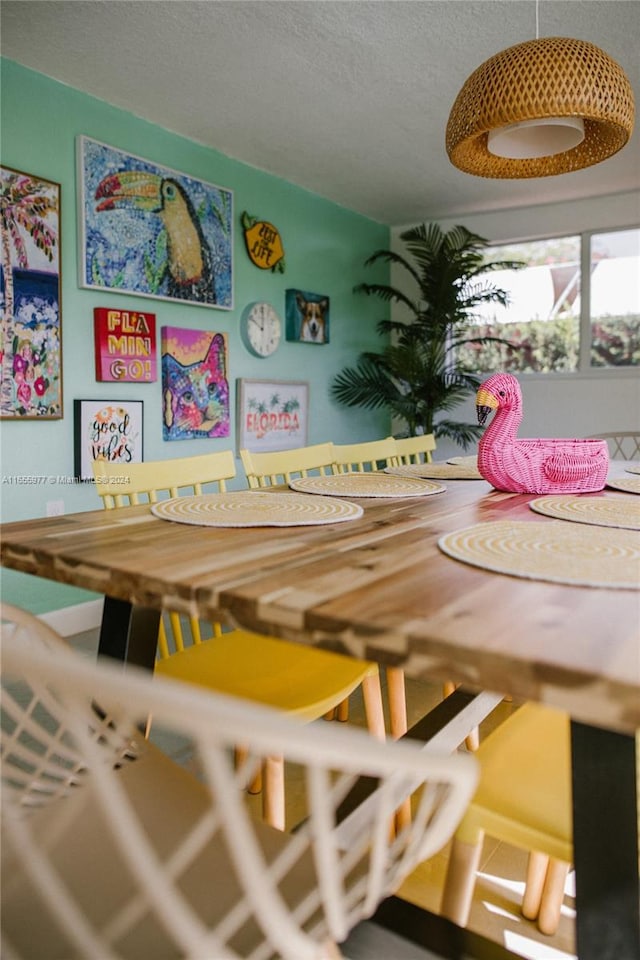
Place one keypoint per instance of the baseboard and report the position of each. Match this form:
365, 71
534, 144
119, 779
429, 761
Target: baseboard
68, 621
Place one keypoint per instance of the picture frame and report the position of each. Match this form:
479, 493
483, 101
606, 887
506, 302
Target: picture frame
109, 430
272, 414
195, 386
31, 322
125, 345
125, 246
307, 316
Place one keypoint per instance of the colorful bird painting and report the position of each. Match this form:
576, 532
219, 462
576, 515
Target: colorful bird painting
532, 466
189, 267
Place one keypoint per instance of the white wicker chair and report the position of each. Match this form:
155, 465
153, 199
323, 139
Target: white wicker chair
111, 849
623, 444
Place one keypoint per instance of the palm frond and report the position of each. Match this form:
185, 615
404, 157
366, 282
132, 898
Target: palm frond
464, 434
390, 256
367, 385
490, 266
481, 341
386, 293
397, 327
415, 375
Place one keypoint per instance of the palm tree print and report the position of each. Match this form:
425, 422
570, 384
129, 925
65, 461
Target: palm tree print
29, 336
23, 203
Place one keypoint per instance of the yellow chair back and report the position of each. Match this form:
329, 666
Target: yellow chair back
356, 457
415, 449
129, 484
122, 485
280, 466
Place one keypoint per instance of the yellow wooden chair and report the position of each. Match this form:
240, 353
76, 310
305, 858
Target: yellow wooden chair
277, 467
415, 449
418, 450
302, 681
524, 798
272, 468
356, 457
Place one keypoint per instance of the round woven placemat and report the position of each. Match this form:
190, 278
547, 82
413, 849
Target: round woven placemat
628, 484
441, 471
470, 461
550, 550
601, 511
634, 468
255, 509
369, 484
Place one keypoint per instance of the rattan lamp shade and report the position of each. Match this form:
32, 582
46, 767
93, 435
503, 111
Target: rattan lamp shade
544, 78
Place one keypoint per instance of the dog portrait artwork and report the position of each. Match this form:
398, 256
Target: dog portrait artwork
307, 317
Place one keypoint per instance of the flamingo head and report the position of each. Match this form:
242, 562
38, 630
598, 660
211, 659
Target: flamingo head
499, 392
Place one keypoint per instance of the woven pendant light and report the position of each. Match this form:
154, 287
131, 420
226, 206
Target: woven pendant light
567, 94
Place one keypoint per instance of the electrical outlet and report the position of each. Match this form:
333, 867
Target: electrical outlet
55, 508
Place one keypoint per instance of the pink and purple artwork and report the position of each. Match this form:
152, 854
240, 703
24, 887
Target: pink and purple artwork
195, 387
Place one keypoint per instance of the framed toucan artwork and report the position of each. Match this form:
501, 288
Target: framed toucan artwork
147, 230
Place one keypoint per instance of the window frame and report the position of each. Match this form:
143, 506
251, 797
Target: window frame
584, 370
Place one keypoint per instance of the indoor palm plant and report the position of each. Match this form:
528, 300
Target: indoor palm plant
416, 375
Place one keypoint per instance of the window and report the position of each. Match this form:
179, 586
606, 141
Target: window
575, 306
615, 299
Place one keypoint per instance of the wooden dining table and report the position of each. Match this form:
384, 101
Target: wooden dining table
379, 587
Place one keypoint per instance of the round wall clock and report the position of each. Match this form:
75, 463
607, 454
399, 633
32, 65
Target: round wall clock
261, 329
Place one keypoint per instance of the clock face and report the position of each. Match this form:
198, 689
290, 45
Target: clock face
263, 329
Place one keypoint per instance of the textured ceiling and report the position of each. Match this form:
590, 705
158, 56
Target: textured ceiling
347, 99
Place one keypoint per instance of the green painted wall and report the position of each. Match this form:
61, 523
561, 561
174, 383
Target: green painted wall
325, 247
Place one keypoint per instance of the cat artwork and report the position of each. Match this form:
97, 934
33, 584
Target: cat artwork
195, 388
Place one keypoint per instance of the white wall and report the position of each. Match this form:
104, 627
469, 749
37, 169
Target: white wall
550, 219
562, 405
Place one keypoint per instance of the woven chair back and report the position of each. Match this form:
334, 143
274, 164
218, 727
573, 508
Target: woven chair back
111, 849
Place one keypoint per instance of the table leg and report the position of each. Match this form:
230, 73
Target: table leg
605, 832
129, 633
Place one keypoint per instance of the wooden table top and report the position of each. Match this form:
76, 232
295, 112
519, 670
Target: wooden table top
376, 587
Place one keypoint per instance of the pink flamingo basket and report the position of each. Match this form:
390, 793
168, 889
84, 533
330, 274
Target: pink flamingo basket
538, 465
